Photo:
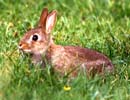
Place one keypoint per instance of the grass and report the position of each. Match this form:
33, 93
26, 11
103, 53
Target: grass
103, 25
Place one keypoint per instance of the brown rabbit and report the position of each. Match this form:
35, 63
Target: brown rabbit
64, 59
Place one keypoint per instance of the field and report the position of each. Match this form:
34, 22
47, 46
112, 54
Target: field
102, 25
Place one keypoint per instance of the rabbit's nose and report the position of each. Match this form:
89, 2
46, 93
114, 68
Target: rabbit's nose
20, 46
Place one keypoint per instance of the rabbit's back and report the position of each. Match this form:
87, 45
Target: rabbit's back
90, 58
85, 53
68, 58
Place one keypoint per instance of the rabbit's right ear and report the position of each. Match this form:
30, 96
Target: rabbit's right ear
43, 17
50, 21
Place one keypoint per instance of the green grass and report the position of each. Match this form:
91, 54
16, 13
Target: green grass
103, 25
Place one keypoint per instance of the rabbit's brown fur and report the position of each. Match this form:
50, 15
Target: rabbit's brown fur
64, 59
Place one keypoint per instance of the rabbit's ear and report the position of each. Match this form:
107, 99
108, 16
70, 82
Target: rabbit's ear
50, 21
43, 17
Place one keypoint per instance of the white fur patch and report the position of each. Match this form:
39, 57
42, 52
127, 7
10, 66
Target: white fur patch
27, 50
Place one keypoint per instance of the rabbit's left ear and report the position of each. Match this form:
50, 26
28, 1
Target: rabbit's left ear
50, 21
43, 17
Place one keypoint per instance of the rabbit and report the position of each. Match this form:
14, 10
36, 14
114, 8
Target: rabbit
64, 59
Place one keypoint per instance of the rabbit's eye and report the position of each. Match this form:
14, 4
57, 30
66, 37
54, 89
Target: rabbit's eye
35, 38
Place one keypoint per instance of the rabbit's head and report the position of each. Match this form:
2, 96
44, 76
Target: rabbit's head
37, 40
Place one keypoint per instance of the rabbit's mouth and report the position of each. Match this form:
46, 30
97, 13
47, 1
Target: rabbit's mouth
23, 49
27, 51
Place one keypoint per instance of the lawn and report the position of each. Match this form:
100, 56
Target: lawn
102, 25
